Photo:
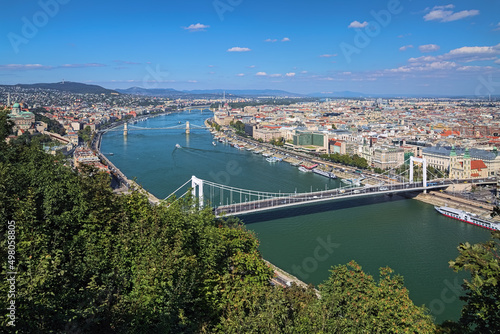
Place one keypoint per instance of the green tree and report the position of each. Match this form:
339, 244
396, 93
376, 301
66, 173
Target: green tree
481, 313
353, 302
85, 134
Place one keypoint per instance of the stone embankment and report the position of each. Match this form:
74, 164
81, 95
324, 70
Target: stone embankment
445, 199
285, 279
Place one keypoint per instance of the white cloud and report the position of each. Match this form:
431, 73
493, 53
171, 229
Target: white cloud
465, 54
238, 49
126, 62
328, 55
291, 74
240, 74
82, 65
346, 73
429, 48
25, 67
422, 59
261, 74
406, 47
196, 27
357, 24
271, 40
474, 68
497, 61
285, 39
497, 27
251, 66
192, 81
432, 66
303, 72
445, 14
276, 75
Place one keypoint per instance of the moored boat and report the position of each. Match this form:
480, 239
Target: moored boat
324, 173
468, 217
303, 169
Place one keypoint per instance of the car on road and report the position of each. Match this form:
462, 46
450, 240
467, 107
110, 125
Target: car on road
383, 188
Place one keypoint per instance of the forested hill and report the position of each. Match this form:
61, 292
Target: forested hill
68, 86
89, 261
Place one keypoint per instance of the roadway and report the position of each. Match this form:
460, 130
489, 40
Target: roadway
335, 194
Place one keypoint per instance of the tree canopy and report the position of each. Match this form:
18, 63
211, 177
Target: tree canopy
90, 261
481, 313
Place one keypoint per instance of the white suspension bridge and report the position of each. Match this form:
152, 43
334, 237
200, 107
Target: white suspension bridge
228, 201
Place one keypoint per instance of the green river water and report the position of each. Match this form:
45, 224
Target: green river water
407, 235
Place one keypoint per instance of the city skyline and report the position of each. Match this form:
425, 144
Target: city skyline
382, 47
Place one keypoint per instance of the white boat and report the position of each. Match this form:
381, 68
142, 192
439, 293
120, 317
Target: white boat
213, 143
468, 217
305, 170
351, 182
177, 145
273, 159
329, 175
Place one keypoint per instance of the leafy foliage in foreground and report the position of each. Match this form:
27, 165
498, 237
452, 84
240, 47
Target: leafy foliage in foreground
92, 262
481, 314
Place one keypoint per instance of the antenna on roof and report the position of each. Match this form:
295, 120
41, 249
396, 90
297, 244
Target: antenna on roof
63, 82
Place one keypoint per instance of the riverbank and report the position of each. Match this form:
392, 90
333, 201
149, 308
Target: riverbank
437, 198
125, 185
286, 279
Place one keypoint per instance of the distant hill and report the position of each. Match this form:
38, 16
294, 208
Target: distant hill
345, 93
68, 86
167, 92
246, 92
170, 92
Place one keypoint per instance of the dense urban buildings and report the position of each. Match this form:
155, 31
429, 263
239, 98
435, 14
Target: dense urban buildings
459, 137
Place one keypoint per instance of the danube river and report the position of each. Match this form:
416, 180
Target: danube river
407, 235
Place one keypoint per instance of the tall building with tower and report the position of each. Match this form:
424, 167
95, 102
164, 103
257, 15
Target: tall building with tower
22, 119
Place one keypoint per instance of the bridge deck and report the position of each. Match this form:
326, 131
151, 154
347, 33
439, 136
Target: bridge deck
331, 195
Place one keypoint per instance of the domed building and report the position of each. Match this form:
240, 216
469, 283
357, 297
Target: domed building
23, 120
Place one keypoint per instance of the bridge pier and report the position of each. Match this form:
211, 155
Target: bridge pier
424, 165
187, 127
125, 129
196, 182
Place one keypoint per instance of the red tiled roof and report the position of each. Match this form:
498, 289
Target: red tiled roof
450, 133
477, 164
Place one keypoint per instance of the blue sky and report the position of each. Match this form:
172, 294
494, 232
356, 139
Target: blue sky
392, 47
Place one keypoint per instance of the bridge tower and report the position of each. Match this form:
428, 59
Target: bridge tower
424, 165
125, 129
196, 182
187, 127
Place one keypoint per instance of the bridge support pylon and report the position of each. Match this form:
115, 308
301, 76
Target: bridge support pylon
424, 165
187, 127
197, 183
125, 129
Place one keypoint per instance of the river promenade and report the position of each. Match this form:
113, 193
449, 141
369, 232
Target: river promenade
126, 185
